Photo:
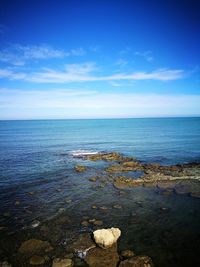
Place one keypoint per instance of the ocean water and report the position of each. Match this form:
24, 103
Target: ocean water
37, 178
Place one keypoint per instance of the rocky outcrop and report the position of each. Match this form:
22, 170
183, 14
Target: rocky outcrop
113, 156
106, 238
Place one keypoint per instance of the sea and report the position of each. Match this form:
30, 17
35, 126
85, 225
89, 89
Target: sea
38, 181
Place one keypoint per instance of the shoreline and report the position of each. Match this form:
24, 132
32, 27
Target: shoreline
127, 179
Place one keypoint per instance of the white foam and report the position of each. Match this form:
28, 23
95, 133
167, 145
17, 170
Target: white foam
79, 153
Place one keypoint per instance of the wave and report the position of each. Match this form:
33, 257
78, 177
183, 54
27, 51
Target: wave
80, 153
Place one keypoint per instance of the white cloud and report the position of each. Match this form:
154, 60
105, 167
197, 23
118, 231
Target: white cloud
147, 55
121, 62
70, 103
85, 73
18, 54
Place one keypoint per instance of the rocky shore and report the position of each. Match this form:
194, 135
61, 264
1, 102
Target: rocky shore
88, 236
98, 249
181, 179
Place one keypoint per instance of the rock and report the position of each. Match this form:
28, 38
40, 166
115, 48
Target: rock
35, 224
68, 200
98, 222
94, 207
33, 246
84, 223
112, 156
117, 206
17, 203
93, 179
103, 208
105, 238
4, 264
62, 262
79, 168
37, 260
127, 254
137, 261
98, 257
83, 243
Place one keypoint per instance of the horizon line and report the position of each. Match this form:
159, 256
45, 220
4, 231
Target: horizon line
103, 118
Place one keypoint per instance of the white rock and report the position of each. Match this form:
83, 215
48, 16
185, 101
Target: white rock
105, 238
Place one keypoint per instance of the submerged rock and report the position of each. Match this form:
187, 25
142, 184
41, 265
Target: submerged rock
5, 264
37, 260
82, 244
33, 246
106, 238
137, 261
80, 168
98, 257
112, 156
62, 262
127, 254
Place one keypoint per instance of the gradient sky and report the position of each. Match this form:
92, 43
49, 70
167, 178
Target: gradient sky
99, 59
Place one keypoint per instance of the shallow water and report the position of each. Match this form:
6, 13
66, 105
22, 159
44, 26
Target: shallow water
37, 170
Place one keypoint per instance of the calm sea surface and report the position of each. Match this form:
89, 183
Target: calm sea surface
37, 175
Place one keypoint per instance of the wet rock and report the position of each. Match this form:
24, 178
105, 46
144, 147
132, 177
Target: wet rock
93, 179
80, 168
98, 222
137, 261
106, 238
103, 208
35, 224
5, 264
127, 254
84, 223
98, 257
117, 206
123, 182
113, 156
37, 260
62, 262
33, 246
83, 243
68, 200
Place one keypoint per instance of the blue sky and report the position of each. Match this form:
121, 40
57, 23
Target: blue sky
99, 59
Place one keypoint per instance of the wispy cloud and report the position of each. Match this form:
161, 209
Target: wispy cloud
18, 54
121, 62
83, 103
147, 55
85, 73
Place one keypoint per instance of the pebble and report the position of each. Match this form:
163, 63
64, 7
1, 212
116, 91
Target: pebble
117, 206
35, 224
17, 203
94, 207
84, 223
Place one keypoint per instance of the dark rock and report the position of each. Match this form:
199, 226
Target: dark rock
98, 257
137, 261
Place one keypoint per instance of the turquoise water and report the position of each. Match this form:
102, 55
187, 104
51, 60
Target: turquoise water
37, 156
